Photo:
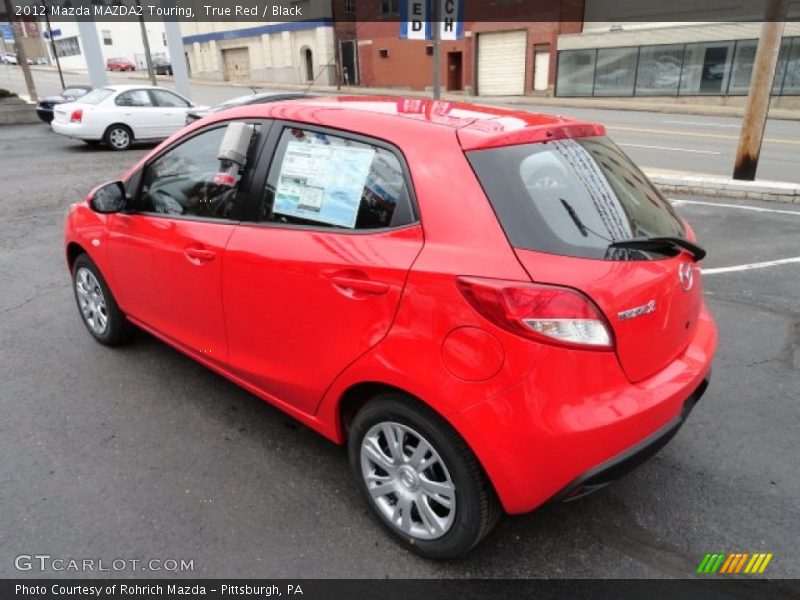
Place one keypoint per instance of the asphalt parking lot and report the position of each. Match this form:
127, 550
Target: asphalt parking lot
142, 453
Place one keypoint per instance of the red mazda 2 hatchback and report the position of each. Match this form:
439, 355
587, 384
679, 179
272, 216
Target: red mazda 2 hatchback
492, 309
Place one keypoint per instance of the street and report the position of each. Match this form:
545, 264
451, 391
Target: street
142, 452
656, 141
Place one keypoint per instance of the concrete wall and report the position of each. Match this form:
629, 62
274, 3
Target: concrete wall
126, 41
645, 34
276, 53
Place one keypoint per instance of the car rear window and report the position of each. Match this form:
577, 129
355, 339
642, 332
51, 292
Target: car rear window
96, 96
573, 197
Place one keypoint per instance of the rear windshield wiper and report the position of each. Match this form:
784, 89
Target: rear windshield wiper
661, 243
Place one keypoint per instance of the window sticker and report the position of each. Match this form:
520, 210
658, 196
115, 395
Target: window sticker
322, 183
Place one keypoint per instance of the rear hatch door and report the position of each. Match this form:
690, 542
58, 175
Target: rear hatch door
562, 204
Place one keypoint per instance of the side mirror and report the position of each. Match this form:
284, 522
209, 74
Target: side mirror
108, 198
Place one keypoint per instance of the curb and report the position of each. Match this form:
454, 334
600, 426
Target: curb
770, 191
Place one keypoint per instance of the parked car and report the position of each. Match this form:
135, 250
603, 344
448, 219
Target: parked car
492, 309
10, 59
121, 114
120, 64
162, 66
260, 98
42, 61
44, 108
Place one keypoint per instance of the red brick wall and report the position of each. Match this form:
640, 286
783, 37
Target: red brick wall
409, 66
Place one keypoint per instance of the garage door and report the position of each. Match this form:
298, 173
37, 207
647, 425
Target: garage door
501, 63
237, 64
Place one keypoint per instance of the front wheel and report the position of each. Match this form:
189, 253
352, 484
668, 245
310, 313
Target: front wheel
420, 478
98, 309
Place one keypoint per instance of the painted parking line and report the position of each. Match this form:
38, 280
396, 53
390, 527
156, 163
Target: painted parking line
672, 149
681, 202
751, 266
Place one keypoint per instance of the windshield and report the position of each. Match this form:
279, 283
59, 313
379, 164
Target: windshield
96, 96
573, 197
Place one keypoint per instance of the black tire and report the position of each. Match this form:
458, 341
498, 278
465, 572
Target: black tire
476, 506
118, 329
118, 137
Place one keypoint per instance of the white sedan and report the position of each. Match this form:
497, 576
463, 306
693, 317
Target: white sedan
120, 114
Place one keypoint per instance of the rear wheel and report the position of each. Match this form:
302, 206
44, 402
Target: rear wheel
118, 137
98, 309
420, 478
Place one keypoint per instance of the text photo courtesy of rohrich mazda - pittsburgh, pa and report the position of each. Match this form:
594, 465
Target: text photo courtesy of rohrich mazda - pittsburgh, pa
501, 298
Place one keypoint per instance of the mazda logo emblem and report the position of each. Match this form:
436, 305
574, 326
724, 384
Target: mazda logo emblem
686, 276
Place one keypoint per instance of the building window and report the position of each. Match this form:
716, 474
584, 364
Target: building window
576, 72
695, 69
350, 6
390, 7
706, 69
68, 47
791, 79
659, 71
164, 37
615, 71
743, 60
107, 37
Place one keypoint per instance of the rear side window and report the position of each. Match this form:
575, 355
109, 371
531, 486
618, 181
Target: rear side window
572, 197
323, 180
96, 96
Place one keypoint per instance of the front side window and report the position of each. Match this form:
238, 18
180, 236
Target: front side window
134, 98
189, 180
318, 179
573, 197
168, 99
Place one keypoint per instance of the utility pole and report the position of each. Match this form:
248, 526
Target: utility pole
53, 44
436, 6
758, 97
150, 71
22, 58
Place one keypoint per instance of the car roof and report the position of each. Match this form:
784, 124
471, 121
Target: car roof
125, 87
477, 126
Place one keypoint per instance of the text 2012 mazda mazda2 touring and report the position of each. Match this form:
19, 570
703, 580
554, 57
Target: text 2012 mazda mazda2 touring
491, 308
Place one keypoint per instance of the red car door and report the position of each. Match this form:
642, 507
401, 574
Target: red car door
168, 255
316, 282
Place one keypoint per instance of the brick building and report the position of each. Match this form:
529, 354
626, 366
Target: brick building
497, 57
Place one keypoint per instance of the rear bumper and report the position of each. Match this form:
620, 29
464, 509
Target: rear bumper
79, 131
599, 477
578, 420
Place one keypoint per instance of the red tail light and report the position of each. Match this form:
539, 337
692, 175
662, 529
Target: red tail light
77, 115
545, 313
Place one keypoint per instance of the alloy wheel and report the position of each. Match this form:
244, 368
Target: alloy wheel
408, 481
91, 300
119, 138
